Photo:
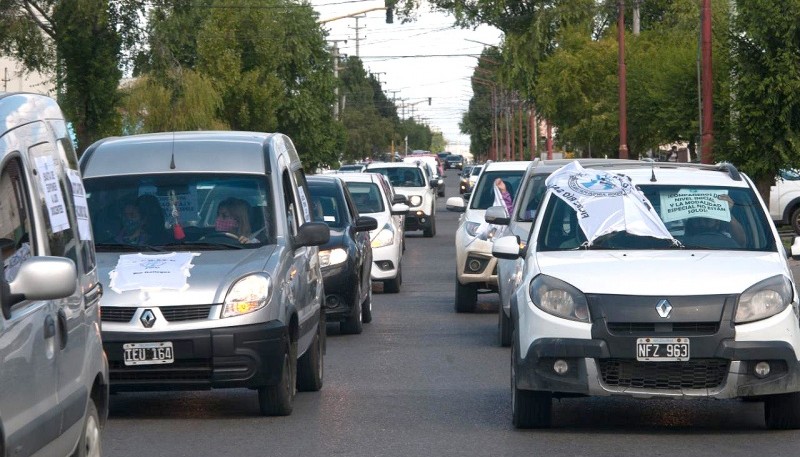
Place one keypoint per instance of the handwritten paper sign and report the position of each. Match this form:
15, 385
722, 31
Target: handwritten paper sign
56, 210
81, 207
688, 203
159, 271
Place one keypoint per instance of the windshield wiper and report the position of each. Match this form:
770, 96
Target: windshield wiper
110, 247
205, 244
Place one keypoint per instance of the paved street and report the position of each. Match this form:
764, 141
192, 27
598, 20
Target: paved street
422, 380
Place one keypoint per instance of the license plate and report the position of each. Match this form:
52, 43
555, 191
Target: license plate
662, 349
148, 353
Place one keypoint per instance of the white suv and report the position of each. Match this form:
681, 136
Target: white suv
653, 282
475, 266
420, 189
784, 199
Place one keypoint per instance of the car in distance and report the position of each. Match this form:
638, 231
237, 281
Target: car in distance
463, 179
54, 382
373, 197
455, 161
352, 168
683, 292
475, 266
435, 170
346, 260
208, 255
410, 180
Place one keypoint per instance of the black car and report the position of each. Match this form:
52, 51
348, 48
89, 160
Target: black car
346, 260
454, 161
463, 179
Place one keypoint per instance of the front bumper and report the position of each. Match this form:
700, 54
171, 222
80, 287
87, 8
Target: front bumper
244, 356
385, 262
475, 263
340, 288
418, 220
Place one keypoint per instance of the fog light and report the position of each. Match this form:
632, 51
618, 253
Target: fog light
331, 301
422, 220
762, 370
474, 265
561, 367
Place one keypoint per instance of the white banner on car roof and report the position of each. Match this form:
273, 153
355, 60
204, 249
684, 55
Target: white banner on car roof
606, 203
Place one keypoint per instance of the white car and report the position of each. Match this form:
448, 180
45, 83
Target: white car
784, 199
373, 197
413, 182
661, 281
431, 164
475, 266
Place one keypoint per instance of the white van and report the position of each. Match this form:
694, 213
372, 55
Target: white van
53, 372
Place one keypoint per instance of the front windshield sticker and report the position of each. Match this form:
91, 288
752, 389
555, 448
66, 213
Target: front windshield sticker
81, 207
686, 203
606, 203
160, 271
56, 210
304, 202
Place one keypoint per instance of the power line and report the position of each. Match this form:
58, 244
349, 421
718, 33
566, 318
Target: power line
419, 56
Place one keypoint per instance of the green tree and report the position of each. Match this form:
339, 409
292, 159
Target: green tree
438, 143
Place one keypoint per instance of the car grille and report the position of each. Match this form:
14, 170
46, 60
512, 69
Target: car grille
180, 370
693, 374
185, 313
650, 328
116, 313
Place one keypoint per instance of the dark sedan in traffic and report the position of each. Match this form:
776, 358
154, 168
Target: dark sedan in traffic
346, 260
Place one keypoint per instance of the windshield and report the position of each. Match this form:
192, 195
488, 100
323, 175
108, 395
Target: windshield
531, 198
366, 196
476, 171
483, 197
402, 176
328, 205
699, 217
150, 212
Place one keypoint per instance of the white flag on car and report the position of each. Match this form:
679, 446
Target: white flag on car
606, 203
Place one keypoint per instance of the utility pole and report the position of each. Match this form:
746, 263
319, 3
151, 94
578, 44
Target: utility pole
336, 75
378, 76
6, 79
623, 85
358, 36
636, 17
708, 88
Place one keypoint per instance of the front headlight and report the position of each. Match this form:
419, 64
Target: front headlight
384, 238
332, 257
247, 295
558, 298
414, 200
471, 228
765, 299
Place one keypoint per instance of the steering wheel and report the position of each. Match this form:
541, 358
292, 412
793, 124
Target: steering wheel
219, 234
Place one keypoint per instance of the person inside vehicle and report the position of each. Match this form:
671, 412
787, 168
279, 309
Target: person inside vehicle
711, 233
233, 218
409, 179
142, 222
508, 200
132, 231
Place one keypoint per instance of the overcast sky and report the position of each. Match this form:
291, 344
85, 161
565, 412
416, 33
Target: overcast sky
444, 79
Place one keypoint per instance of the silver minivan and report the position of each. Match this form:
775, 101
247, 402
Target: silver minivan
209, 257
53, 373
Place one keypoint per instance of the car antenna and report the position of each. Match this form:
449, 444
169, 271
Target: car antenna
653, 172
172, 160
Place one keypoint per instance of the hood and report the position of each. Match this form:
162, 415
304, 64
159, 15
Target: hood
672, 273
409, 191
382, 218
212, 273
475, 215
336, 241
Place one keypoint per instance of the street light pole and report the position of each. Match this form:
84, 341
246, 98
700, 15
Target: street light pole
623, 85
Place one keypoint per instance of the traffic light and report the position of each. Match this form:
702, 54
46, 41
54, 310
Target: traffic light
389, 11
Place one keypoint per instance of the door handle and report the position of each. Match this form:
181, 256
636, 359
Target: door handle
49, 327
62, 327
93, 295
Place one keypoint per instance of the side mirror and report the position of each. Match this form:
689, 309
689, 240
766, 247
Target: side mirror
312, 234
456, 204
400, 198
434, 183
795, 249
399, 209
507, 247
365, 224
497, 215
39, 278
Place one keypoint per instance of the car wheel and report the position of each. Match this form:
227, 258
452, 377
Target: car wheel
89, 444
354, 323
504, 328
392, 286
310, 367
782, 412
430, 232
529, 408
366, 308
278, 400
466, 297
796, 220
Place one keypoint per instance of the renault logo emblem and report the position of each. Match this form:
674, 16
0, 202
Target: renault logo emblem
664, 308
148, 318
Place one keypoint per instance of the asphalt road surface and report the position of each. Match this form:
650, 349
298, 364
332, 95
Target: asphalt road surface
424, 381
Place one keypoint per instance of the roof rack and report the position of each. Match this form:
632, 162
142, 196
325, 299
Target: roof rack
731, 169
725, 167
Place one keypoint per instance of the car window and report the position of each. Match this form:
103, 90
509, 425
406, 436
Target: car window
483, 197
790, 175
402, 176
328, 205
158, 210
534, 193
476, 171
15, 220
699, 217
366, 196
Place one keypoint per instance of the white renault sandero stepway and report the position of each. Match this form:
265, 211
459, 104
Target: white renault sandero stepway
420, 189
653, 281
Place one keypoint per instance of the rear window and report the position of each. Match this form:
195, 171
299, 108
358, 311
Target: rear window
483, 197
531, 198
402, 176
366, 196
328, 205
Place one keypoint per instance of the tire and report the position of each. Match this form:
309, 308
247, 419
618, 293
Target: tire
782, 412
89, 444
466, 297
795, 220
366, 308
354, 323
278, 400
392, 286
311, 366
430, 232
529, 408
503, 328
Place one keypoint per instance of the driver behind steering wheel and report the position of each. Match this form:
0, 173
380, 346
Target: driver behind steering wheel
233, 219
